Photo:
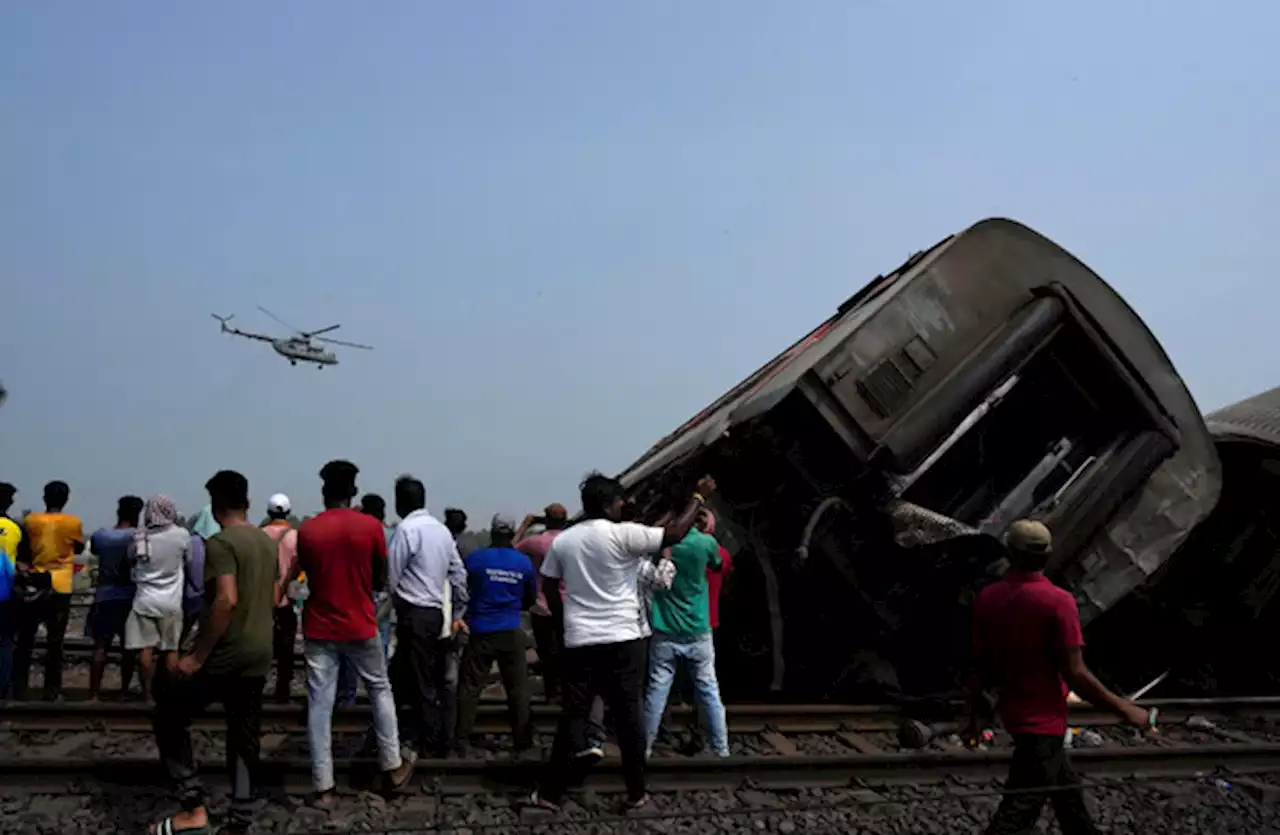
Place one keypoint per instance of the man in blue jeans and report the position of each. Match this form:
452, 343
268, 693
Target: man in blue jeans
344, 553
371, 505
681, 622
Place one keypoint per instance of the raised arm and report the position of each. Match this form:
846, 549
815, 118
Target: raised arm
676, 529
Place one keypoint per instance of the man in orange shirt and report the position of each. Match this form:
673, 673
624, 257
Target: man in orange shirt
42, 587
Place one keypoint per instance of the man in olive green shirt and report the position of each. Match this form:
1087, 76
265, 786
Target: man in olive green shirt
229, 663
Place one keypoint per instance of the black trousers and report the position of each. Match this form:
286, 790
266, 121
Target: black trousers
284, 633
548, 642
178, 701
508, 649
1041, 762
614, 672
52, 610
417, 677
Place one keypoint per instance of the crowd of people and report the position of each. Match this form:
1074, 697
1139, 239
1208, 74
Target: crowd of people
204, 612
618, 608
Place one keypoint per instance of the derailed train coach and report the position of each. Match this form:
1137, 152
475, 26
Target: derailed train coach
1209, 614
869, 470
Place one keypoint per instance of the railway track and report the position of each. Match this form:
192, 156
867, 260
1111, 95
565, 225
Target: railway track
111, 717
780, 755
456, 777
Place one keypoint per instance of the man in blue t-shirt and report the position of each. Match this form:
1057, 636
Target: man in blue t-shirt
503, 584
113, 593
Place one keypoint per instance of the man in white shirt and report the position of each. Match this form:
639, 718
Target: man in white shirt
599, 560
422, 561
159, 552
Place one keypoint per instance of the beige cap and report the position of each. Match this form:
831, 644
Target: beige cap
1029, 536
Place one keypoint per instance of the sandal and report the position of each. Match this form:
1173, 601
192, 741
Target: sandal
639, 803
537, 801
167, 827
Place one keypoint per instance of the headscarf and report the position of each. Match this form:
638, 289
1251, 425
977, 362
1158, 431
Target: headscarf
204, 525
160, 513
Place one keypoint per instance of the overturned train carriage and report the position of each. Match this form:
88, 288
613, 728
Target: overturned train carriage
1210, 613
868, 471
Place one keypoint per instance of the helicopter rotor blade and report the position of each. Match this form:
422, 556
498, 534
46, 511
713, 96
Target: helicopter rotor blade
345, 344
281, 321
310, 334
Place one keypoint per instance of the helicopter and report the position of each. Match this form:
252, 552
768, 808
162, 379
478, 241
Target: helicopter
301, 347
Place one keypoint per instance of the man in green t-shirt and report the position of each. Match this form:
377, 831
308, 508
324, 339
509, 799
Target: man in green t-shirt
681, 621
229, 663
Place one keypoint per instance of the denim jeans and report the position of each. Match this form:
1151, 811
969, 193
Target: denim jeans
366, 658
348, 678
698, 652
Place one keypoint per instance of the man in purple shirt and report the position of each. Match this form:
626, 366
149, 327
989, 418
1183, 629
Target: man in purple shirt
554, 519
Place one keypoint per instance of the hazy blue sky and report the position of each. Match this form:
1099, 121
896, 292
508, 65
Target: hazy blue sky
567, 226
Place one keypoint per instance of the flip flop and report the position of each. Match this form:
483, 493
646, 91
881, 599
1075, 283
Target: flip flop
537, 801
167, 827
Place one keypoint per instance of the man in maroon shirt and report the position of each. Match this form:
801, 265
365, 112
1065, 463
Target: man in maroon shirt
1028, 646
344, 553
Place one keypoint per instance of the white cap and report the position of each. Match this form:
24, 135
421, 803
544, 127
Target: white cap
279, 503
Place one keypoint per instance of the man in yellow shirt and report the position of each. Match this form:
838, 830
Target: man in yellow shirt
45, 567
10, 537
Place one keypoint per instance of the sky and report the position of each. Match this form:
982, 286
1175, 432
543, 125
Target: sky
566, 226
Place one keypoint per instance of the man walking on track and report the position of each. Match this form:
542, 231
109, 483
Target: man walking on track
600, 560
1028, 647
229, 663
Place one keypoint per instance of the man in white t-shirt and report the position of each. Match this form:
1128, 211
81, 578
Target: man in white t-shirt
158, 553
604, 627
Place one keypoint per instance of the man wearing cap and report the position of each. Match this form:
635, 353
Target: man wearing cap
1027, 646
545, 629
502, 584
286, 616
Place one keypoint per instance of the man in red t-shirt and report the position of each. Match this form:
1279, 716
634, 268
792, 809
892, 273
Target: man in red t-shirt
344, 553
1027, 646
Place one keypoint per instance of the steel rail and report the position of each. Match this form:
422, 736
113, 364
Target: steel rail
492, 716
679, 773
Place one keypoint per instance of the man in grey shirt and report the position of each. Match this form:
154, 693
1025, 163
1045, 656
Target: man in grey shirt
160, 550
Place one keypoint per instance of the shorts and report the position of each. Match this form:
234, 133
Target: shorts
107, 619
147, 632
